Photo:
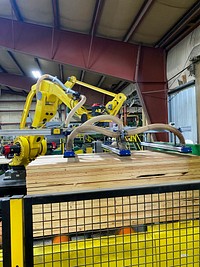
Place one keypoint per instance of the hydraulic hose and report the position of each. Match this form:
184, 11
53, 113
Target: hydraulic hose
84, 128
72, 112
157, 126
88, 126
67, 90
105, 117
43, 77
54, 80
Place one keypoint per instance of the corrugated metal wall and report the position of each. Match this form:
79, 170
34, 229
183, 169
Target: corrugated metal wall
182, 111
11, 108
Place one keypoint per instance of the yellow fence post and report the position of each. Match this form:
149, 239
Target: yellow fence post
16, 231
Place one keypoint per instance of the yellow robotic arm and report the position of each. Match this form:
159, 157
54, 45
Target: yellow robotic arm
50, 94
112, 107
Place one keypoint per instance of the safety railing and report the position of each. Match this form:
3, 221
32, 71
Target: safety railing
141, 226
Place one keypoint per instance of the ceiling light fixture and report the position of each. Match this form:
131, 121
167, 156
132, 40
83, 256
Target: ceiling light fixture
36, 74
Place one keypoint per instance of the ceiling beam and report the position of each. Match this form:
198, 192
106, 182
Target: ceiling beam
21, 93
181, 26
71, 49
61, 71
96, 16
14, 92
82, 75
138, 19
2, 69
118, 86
16, 10
38, 64
56, 13
182, 35
101, 80
16, 81
16, 62
10, 89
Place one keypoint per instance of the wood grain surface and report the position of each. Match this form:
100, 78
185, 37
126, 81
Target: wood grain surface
51, 174
54, 174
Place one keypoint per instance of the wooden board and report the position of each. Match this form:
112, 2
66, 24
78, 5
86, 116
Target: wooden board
52, 174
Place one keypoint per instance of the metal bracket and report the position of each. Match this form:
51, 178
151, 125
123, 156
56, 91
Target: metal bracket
181, 149
120, 152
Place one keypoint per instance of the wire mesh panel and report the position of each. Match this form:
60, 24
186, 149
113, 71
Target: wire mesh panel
5, 244
146, 226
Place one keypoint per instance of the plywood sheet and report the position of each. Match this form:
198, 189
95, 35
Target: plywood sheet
52, 174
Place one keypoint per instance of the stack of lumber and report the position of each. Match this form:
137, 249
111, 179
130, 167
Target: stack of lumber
54, 174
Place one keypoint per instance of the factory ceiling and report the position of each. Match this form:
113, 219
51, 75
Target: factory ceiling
90, 39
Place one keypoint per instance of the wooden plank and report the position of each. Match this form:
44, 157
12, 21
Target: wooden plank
108, 171
52, 174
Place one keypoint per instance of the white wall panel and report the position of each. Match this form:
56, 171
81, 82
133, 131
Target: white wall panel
182, 111
11, 108
179, 57
7, 116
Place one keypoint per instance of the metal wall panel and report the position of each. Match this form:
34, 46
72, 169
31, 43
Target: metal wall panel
182, 111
